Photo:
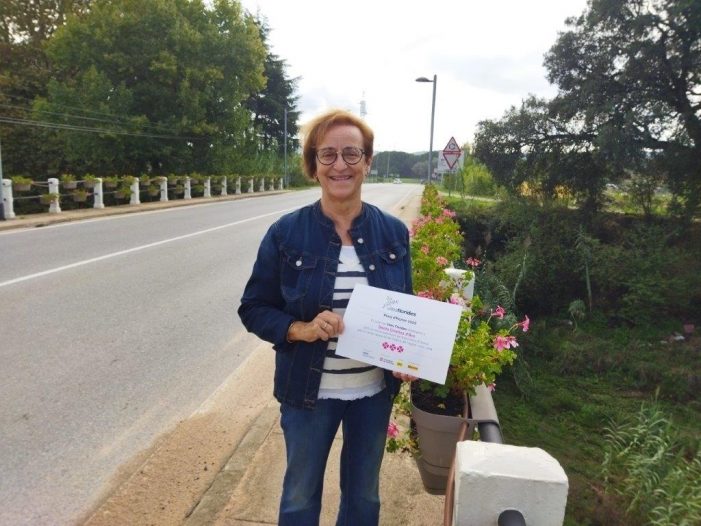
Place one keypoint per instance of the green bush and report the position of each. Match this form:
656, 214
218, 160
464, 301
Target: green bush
630, 270
645, 464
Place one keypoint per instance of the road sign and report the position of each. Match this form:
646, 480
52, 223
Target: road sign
450, 158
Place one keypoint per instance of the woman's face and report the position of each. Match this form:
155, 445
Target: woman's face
341, 181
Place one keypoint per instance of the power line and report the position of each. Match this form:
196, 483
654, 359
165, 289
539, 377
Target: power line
115, 120
87, 129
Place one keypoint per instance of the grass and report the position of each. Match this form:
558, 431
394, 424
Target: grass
563, 405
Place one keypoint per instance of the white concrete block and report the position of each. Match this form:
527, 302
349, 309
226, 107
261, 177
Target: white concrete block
491, 478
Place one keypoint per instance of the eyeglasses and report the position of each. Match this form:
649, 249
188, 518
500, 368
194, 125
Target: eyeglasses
349, 154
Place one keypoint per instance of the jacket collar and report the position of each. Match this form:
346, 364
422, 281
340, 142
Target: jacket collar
358, 222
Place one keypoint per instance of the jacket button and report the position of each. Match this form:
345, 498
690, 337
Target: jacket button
360, 241
298, 263
372, 267
392, 256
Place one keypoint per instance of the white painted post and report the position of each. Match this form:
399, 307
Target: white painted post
55, 206
163, 183
238, 185
250, 185
188, 194
135, 197
208, 187
224, 182
7, 199
98, 194
262, 184
281, 184
491, 478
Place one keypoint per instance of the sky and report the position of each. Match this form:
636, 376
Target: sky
487, 56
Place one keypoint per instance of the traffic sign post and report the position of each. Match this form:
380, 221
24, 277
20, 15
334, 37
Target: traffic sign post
451, 158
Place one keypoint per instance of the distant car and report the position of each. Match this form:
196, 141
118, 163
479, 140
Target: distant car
397, 181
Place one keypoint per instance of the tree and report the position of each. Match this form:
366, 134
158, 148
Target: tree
25, 72
164, 81
33, 22
629, 71
531, 145
268, 105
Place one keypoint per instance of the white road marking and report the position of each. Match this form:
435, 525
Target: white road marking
137, 249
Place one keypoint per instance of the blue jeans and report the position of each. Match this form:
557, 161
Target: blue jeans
309, 435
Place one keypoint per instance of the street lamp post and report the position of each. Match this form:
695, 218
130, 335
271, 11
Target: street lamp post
285, 139
433, 113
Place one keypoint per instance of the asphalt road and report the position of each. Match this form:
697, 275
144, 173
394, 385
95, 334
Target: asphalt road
113, 330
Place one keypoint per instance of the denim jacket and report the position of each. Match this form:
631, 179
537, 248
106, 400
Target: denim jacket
293, 279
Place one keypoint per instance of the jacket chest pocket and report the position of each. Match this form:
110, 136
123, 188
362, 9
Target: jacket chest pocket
296, 272
393, 262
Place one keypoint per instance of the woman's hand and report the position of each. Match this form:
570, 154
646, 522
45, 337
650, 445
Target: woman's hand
325, 325
404, 377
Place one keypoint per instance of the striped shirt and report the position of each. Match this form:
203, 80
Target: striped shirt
345, 378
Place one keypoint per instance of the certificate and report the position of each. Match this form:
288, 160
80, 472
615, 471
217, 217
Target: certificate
399, 332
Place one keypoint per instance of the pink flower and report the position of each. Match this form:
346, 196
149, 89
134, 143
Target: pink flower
473, 262
424, 249
448, 213
456, 299
492, 387
425, 294
443, 262
525, 324
392, 430
499, 312
505, 342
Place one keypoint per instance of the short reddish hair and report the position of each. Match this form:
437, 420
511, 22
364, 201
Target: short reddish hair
314, 130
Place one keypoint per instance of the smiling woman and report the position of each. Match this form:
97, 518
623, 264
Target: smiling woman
307, 267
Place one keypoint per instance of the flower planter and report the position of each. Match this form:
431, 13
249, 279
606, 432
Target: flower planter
47, 199
437, 437
70, 185
21, 187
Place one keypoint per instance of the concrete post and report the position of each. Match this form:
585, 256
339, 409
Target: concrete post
208, 187
55, 206
262, 184
491, 478
163, 184
188, 193
135, 197
225, 180
281, 184
98, 194
7, 199
250, 185
238, 185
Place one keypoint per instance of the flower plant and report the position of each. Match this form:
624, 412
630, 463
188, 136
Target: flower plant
485, 341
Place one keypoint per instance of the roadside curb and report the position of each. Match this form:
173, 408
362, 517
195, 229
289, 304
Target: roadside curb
217, 496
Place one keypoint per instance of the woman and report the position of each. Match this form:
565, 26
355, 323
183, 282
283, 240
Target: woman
306, 268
